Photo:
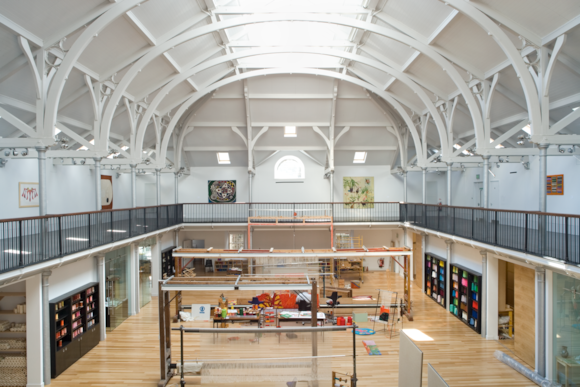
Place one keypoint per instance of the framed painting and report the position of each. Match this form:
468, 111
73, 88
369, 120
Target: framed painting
221, 191
106, 192
555, 185
28, 195
358, 192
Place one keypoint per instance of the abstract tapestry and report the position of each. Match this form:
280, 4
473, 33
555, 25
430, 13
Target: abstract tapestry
358, 192
221, 191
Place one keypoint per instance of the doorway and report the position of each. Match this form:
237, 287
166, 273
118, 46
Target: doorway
493, 194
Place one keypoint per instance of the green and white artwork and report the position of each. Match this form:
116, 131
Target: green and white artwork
358, 192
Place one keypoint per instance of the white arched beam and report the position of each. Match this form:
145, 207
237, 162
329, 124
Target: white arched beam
367, 61
196, 96
488, 25
74, 53
419, 46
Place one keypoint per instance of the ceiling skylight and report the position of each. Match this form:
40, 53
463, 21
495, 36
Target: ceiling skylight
223, 158
290, 131
290, 34
465, 151
359, 157
527, 129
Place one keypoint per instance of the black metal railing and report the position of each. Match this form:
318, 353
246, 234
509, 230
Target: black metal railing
29, 241
537, 233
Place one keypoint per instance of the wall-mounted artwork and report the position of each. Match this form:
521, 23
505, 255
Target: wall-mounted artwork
221, 191
28, 195
555, 185
106, 192
358, 192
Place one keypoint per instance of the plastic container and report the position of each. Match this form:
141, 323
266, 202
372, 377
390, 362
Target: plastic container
349, 321
340, 321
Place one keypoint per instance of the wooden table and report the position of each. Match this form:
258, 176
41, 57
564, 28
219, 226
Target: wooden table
567, 363
235, 319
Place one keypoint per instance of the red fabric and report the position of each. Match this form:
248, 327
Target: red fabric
288, 301
277, 301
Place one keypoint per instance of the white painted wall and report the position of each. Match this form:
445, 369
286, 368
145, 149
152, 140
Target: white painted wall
69, 277
519, 190
70, 188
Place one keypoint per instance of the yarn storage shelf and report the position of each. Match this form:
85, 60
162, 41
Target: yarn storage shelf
466, 290
13, 346
435, 278
74, 330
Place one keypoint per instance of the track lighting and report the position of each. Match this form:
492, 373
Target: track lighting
6, 152
74, 162
571, 150
497, 165
83, 161
14, 152
3, 162
24, 152
520, 142
500, 159
560, 149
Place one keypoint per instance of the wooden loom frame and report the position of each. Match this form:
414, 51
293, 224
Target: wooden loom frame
179, 284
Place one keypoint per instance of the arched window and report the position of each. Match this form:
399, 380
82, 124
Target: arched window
289, 168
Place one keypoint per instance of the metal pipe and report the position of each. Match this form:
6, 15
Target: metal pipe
102, 296
43, 200
447, 270
354, 379
331, 177
250, 174
134, 185
182, 382
485, 203
541, 321
98, 198
424, 185
46, 327
266, 330
176, 188
543, 175
483, 293
449, 165
542, 224
405, 186
158, 185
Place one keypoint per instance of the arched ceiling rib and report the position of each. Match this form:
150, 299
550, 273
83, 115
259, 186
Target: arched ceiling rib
390, 44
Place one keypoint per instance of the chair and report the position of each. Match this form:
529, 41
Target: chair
208, 265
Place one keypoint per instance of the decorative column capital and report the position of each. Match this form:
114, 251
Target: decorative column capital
449, 241
485, 157
543, 146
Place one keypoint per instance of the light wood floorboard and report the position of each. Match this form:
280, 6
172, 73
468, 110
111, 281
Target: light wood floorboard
130, 355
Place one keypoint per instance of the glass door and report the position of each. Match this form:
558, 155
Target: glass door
117, 271
144, 275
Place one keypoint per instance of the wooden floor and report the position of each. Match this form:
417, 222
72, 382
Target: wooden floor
130, 355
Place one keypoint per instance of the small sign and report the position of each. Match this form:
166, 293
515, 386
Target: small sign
201, 312
555, 185
477, 176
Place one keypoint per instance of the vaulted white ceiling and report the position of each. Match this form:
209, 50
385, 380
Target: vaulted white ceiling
359, 71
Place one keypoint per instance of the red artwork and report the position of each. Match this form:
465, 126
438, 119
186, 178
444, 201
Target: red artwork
29, 194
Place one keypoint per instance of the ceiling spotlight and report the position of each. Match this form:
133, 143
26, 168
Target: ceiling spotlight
520, 142
3, 162
83, 161
500, 159
526, 164
64, 145
74, 162
118, 175
24, 152
6, 152
179, 174
497, 165
571, 150
170, 166
560, 149
14, 152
